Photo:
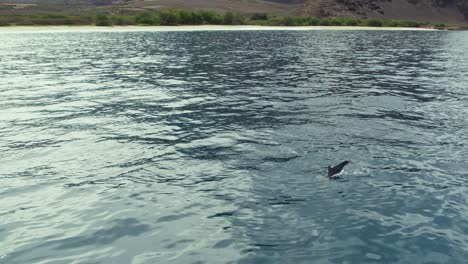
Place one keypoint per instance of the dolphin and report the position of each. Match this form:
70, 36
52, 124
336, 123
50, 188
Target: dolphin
337, 169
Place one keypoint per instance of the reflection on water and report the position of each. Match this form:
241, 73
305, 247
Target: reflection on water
210, 147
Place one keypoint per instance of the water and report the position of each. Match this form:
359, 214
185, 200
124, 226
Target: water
211, 147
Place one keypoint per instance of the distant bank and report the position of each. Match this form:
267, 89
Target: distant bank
190, 28
204, 18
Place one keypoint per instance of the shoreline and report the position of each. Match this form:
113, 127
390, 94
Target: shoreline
92, 28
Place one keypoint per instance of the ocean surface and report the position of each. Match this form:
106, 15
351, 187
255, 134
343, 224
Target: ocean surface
212, 147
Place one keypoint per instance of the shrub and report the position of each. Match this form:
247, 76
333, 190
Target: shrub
374, 23
407, 23
83, 20
313, 21
68, 21
259, 16
54, 16
169, 17
276, 21
231, 18
145, 18
197, 18
103, 20
43, 21
351, 22
325, 22
337, 21
211, 17
290, 21
185, 17
391, 23
122, 20
24, 21
189, 17
300, 21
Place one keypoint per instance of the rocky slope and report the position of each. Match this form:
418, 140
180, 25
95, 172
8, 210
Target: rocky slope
448, 11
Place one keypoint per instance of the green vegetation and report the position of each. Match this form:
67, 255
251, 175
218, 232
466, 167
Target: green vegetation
171, 18
186, 17
374, 23
3, 23
146, 19
233, 19
103, 20
259, 16
440, 26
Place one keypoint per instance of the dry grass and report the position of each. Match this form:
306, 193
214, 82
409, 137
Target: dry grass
246, 6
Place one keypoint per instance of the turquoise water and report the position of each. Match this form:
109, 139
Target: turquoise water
211, 147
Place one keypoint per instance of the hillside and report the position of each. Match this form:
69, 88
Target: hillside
446, 11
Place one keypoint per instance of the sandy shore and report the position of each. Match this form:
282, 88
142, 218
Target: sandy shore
183, 28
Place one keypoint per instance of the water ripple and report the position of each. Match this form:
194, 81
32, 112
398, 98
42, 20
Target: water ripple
181, 147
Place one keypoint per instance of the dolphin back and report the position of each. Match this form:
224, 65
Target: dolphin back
337, 169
